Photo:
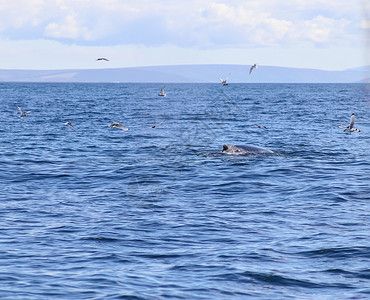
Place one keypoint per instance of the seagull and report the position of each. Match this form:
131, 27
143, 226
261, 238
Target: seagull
350, 128
102, 58
259, 126
118, 125
69, 124
253, 67
224, 82
23, 113
162, 92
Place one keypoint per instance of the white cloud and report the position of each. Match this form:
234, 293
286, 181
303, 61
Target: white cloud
322, 30
17, 14
187, 27
191, 23
69, 29
365, 24
234, 15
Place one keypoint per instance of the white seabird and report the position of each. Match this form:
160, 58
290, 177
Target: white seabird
350, 128
253, 67
118, 125
224, 81
162, 94
23, 113
102, 58
69, 124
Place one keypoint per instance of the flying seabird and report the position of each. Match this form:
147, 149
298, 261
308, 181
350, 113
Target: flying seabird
253, 67
259, 126
224, 82
102, 58
350, 128
69, 124
23, 114
162, 92
118, 125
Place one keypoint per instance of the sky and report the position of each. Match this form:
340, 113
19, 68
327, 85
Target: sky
71, 34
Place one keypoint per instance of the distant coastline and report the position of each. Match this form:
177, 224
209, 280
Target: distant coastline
190, 74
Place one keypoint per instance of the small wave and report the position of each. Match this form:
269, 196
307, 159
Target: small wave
363, 274
344, 252
273, 279
164, 256
101, 239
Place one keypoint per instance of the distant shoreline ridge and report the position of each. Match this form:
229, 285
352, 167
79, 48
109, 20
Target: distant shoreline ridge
207, 73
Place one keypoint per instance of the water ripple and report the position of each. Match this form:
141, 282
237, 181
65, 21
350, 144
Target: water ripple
157, 213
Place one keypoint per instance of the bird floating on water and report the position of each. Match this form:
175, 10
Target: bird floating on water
255, 66
69, 124
102, 58
118, 125
350, 127
154, 126
162, 93
259, 126
23, 113
224, 81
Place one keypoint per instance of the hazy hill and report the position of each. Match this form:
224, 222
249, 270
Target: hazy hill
190, 73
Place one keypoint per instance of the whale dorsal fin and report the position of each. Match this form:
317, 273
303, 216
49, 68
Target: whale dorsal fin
225, 147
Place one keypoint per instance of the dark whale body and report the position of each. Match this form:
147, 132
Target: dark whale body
244, 149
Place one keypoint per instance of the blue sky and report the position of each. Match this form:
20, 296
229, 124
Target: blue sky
64, 34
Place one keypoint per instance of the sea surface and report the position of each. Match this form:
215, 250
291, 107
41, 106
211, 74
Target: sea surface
161, 213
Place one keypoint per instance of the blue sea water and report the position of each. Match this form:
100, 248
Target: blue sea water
160, 213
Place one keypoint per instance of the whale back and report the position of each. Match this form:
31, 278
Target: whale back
244, 149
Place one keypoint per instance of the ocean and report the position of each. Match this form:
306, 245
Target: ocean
161, 213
